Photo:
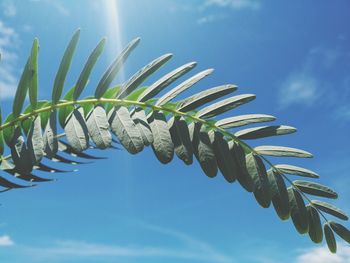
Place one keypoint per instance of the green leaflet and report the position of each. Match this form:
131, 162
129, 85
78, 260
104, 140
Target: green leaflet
65, 112
20, 154
181, 138
298, 211
225, 162
2, 148
341, 231
205, 96
257, 171
90, 63
282, 151
238, 156
31, 178
65, 147
329, 209
165, 81
136, 93
64, 67
182, 87
169, 106
291, 169
162, 145
203, 149
47, 168
279, 194
331, 243
9, 131
142, 75
87, 108
33, 68
114, 68
76, 131
264, 131
125, 129
61, 159
315, 189
35, 141
12, 170
28, 80
50, 136
26, 125
315, 226
110, 94
242, 120
140, 120
9, 185
224, 105
1, 144
98, 127
44, 116
21, 91
28, 122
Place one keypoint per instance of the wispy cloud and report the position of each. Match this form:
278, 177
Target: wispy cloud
6, 241
235, 4
80, 249
302, 87
299, 88
322, 255
8, 8
188, 248
8, 77
209, 19
319, 74
210, 11
204, 249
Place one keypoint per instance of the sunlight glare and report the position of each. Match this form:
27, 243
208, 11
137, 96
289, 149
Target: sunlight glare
114, 33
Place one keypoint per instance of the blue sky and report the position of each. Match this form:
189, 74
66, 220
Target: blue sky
294, 55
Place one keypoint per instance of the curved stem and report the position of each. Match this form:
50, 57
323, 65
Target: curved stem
120, 102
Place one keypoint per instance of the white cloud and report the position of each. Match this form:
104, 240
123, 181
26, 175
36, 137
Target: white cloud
322, 255
209, 18
8, 76
6, 241
235, 4
188, 248
299, 89
205, 250
206, 19
318, 75
8, 8
80, 249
